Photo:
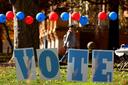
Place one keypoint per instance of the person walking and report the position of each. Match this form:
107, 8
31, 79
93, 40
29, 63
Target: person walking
69, 42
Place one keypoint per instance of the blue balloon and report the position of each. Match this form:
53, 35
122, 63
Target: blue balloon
83, 20
40, 17
2, 18
20, 15
65, 16
113, 16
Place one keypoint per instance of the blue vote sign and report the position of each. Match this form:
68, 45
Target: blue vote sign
48, 63
102, 65
25, 63
77, 65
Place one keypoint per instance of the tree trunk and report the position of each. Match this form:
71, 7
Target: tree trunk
1, 46
25, 36
114, 26
8, 37
1, 43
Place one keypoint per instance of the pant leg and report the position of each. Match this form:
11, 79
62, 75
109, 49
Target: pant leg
64, 56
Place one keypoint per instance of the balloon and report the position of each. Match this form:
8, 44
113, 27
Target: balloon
40, 17
65, 16
83, 20
113, 16
20, 15
75, 16
29, 20
9, 15
53, 16
102, 16
2, 18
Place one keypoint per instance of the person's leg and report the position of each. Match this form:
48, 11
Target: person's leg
64, 56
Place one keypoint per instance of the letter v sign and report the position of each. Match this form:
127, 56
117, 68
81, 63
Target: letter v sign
25, 63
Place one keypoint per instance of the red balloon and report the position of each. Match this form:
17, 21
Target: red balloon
9, 15
75, 16
29, 20
53, 16
102, 15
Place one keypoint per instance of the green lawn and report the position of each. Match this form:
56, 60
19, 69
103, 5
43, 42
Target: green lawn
8, 77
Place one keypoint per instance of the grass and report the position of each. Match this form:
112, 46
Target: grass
8, 77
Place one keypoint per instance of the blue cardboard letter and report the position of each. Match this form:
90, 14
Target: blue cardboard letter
102, 65
25, 63
77, 65
48, 63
